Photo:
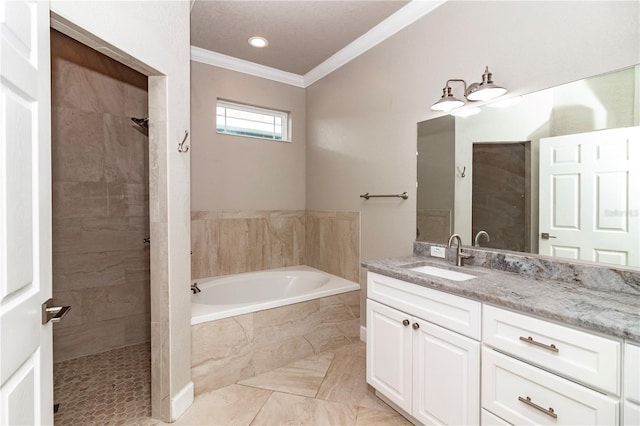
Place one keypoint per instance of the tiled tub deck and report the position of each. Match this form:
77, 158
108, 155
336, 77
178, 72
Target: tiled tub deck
231, 349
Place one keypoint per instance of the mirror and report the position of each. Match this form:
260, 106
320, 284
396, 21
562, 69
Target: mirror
554, 172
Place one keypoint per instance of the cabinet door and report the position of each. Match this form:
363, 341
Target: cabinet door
446, 376
631, 414
389, 353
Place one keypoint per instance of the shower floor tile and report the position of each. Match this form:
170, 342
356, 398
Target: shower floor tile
109, 388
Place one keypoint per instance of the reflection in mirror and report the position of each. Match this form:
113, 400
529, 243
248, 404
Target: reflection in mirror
556, 172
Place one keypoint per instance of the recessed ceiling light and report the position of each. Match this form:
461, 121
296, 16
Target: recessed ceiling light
258, 42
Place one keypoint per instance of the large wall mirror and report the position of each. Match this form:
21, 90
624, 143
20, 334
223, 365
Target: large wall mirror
555, 172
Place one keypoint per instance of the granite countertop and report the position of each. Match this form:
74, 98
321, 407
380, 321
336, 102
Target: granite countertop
610, 312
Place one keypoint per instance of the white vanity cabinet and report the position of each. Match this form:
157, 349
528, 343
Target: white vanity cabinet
427, 370
631, 377
424, 348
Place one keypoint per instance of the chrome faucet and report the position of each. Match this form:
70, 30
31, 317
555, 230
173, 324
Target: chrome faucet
459, 254
195, 289
480, 234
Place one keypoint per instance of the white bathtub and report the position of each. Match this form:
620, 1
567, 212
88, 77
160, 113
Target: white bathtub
237, 294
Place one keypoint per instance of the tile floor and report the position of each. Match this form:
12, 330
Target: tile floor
328, 388
108, 388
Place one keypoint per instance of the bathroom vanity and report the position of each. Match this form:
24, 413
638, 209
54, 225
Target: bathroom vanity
524, 340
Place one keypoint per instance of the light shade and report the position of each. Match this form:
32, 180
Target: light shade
447, 102
485, 90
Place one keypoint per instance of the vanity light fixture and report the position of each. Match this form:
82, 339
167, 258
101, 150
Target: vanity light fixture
506, 102
466, 112
483, 91
258, 42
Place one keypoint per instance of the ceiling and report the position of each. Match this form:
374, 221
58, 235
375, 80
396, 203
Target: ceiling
301, 34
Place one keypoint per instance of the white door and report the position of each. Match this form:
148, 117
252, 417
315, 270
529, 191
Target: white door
389, 353
446, 376
589, 197
26, 383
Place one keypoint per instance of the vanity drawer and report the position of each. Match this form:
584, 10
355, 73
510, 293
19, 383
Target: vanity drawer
453, 312
523, 394
578, 355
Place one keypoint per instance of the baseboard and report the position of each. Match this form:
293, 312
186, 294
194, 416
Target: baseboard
181, 401
363, 333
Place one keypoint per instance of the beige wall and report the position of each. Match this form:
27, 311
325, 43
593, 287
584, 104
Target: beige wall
153, 38
234, 172
361, 119
100, 215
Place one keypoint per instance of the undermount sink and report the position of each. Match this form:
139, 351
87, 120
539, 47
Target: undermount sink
443, 273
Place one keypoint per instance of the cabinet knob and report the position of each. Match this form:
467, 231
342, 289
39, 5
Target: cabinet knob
416, 326
405, 322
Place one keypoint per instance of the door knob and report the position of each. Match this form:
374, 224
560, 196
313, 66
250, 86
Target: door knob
53, 313
546, 236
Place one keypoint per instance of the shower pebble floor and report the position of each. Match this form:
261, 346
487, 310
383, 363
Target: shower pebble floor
113, 388
109, 388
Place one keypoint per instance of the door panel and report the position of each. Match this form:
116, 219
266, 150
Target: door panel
587, 205
26, 385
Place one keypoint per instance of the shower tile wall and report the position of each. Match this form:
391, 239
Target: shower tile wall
229, 242
100, 201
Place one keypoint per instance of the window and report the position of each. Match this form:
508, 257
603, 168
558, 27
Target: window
244, 120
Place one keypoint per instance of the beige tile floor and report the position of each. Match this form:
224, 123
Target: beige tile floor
324, 389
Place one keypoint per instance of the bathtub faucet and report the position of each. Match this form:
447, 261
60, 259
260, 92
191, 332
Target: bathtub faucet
195, 289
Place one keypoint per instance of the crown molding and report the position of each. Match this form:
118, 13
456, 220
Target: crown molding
240, 65
404, 17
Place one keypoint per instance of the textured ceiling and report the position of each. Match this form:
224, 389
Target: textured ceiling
301, 34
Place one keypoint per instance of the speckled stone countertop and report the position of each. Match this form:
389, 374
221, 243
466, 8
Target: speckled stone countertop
608, 311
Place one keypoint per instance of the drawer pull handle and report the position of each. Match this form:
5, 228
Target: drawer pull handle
405, 322
550, 347
548, 412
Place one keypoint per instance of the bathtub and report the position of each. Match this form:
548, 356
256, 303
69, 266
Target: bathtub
231, 295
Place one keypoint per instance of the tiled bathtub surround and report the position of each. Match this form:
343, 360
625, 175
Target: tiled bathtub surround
333, 242
100, 201
229, 242
232, 349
